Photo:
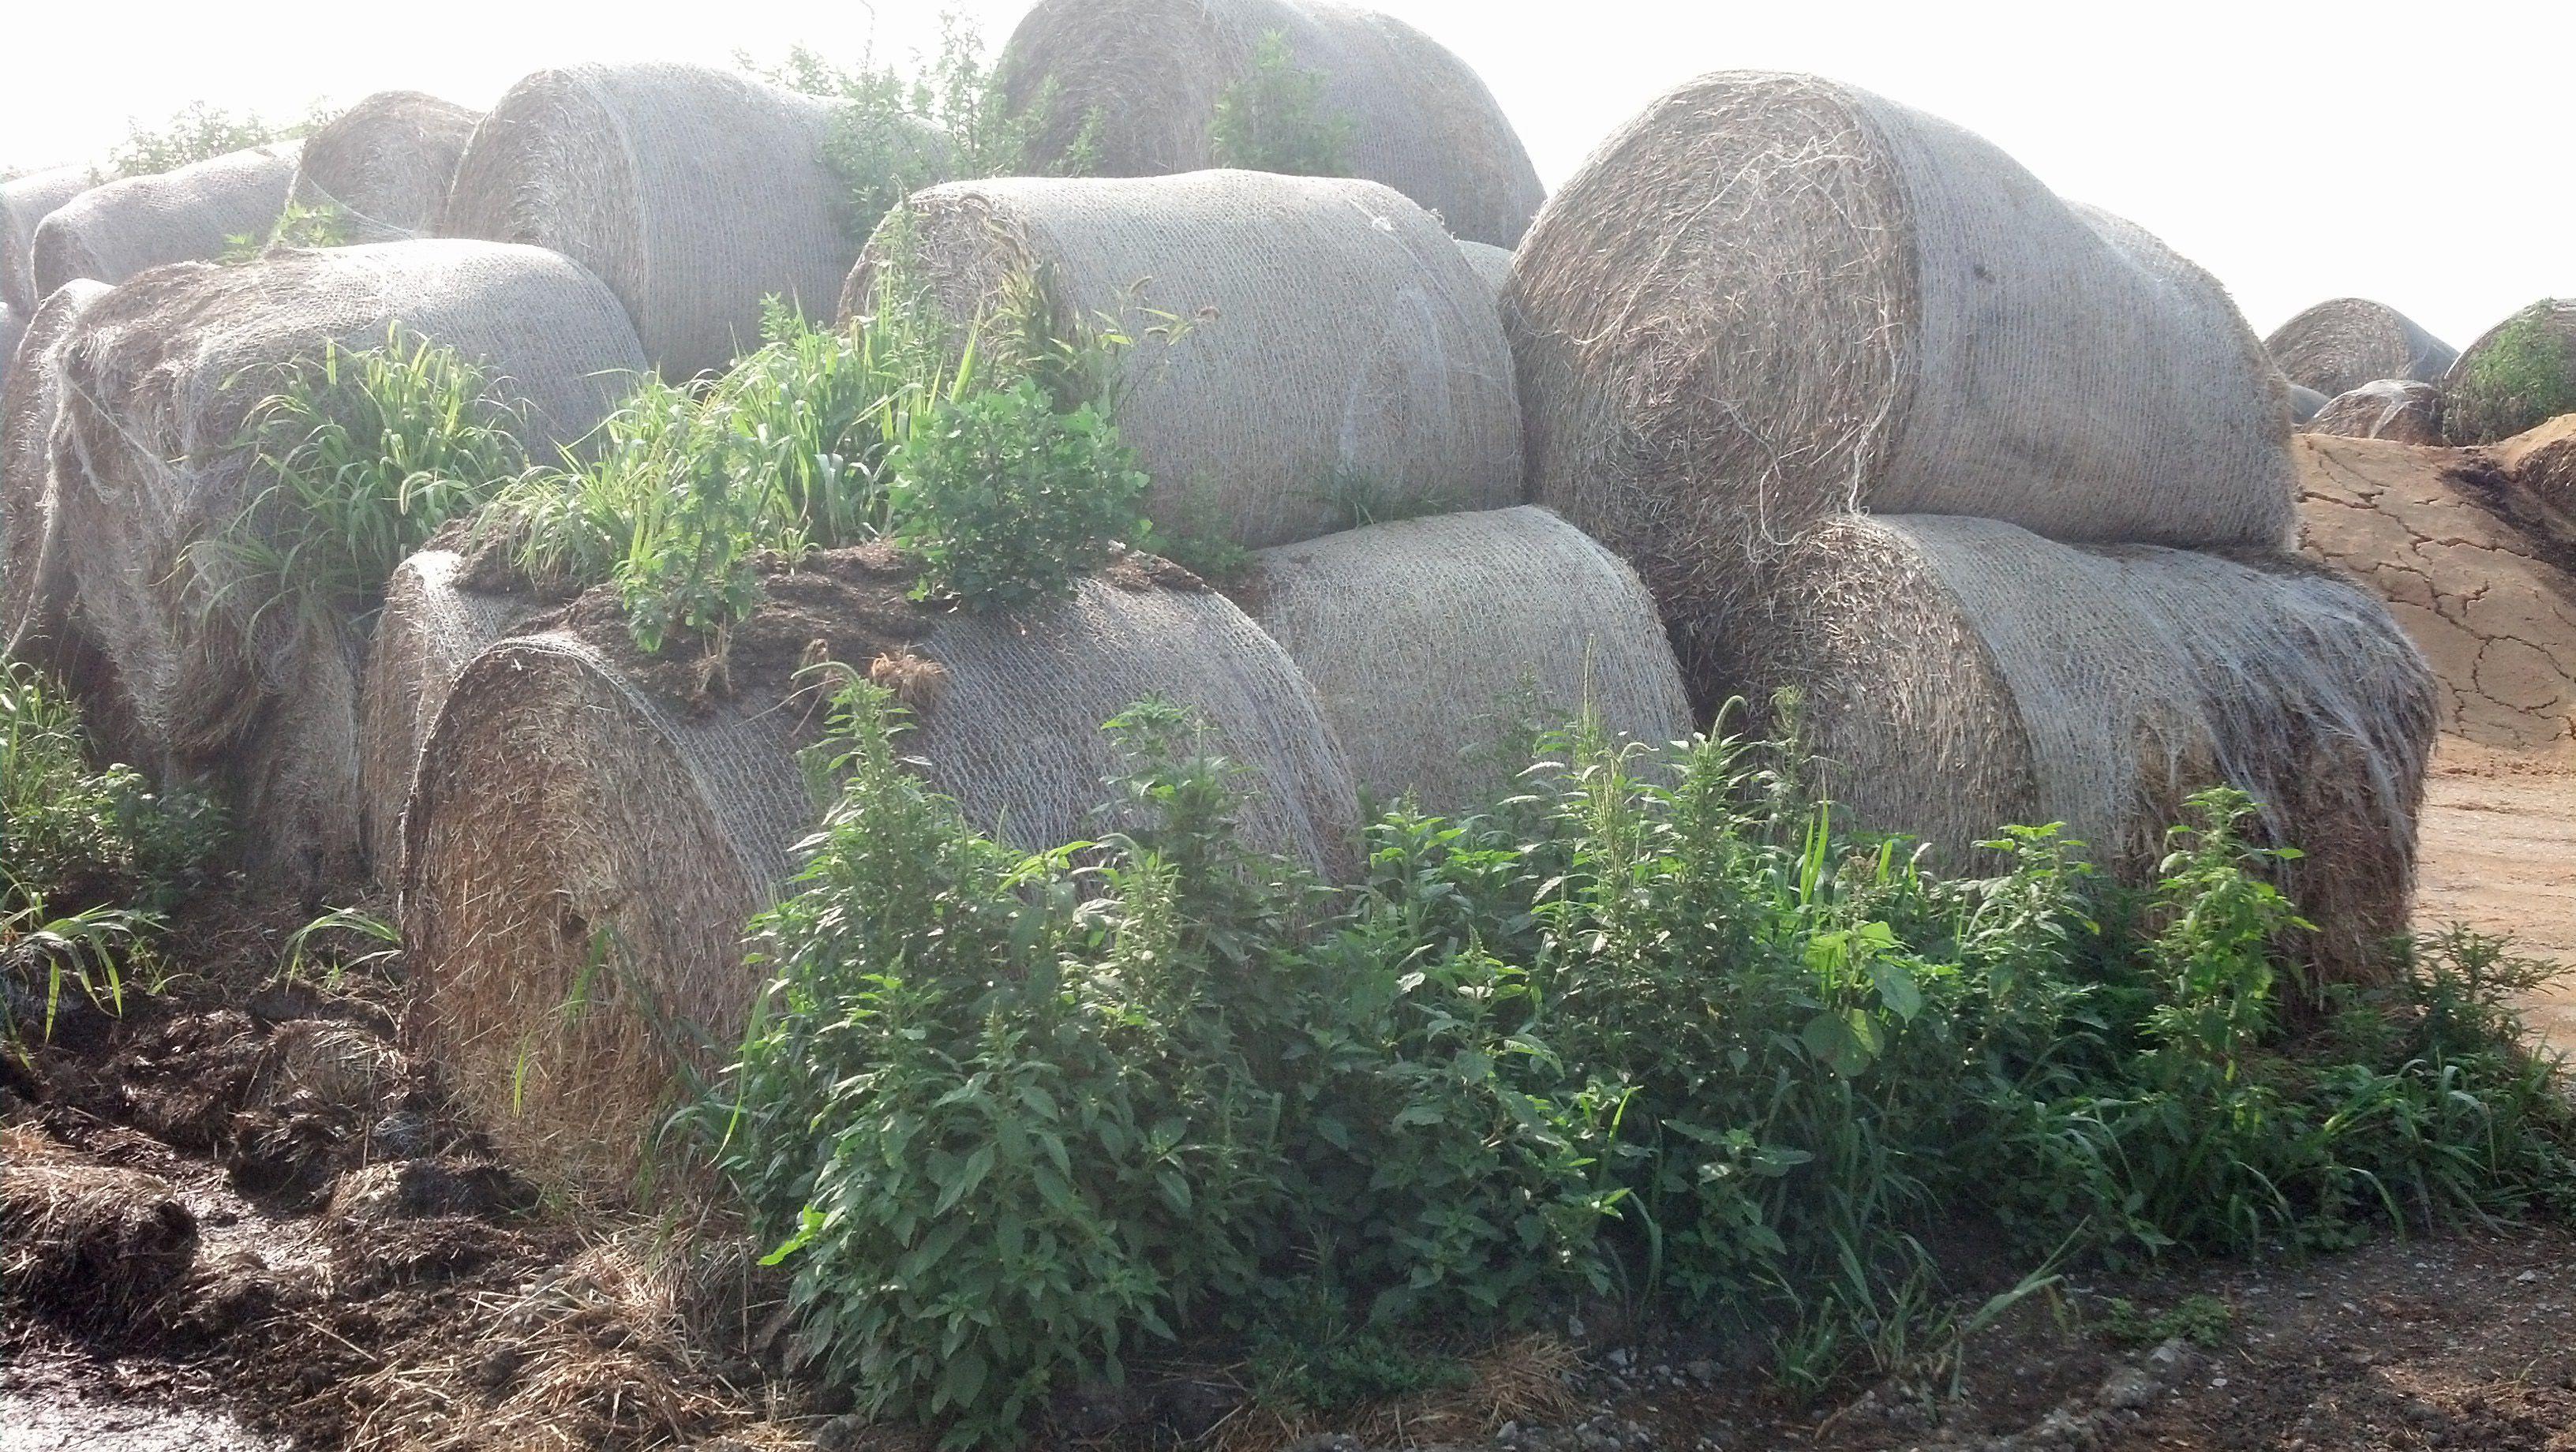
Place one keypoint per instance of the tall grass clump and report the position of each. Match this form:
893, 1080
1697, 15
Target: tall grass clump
2518, 380
1275, 119
1653, 1026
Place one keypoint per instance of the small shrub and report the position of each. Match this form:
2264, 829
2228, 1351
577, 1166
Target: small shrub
1006, 501
1275, 119
198, 132
2521, 379
321, 224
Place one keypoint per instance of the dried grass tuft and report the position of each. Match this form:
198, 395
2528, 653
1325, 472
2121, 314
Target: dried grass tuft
1528, 1380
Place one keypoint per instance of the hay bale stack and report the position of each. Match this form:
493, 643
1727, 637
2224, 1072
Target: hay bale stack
2341, 344
2487, 595
1432, 642
2396, 409
432, 626
1335, 340
1152, 72
692, 192
2518, 375
25, 202
386, 164
159, 378
35, 582
1771, 298
1959, 674
2306, 403
111, 232
566, 799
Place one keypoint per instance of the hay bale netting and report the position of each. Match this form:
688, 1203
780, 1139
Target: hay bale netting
2306, 403
1772, 298
195, 213
2397, 409
159, 378
1492, 265
693, 192
1960, 674
12, 328
25, 202
1152, 72
566, 799
1432, 643
2518, 375
35, 582
385, 164
2339, 345
1336, 344
433, 624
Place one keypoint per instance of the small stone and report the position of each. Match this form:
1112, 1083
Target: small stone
2127, 1388
1702, 1371
2526, 1278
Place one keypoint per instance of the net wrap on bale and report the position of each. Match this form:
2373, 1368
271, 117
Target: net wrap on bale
12, 328
2397, 409
25, 202
566, 807
693, 192
1959, 674
1432, 643
35, 580
1772, 298
2306, 403
1140, 80
2343, 343
160, 379
111, 232
1332, 339
384, 166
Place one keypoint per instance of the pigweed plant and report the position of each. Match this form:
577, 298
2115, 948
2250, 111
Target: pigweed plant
315, 224
2521, 379
1652, 1026
1276, 119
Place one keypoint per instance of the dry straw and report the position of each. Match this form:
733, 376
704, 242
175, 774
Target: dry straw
1957, 674
1152, 71
1432, 642
2343, 343
582, 850
25, 202
1332, 345
693, 192
158, 380
112, 232
385, 164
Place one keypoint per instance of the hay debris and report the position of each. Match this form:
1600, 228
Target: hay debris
1527, 1380
89, 1245
2343, 343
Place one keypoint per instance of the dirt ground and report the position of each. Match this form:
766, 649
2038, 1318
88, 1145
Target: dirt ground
2498, 852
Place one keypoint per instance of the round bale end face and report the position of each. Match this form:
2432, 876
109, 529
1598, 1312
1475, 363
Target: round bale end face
386, 164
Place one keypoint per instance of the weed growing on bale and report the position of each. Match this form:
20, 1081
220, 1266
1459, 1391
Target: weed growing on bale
198, 132
320, 224
2520, 380
1006, 500
1653, 1026
1275, 119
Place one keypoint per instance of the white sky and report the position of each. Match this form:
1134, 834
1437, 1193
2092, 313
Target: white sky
2414, 153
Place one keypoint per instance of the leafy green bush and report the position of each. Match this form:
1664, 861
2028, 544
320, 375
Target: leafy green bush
318, 224
1275, 119
2521, 379
197, 132
1005, 500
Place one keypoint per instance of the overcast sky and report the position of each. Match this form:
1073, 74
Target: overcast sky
2413, 153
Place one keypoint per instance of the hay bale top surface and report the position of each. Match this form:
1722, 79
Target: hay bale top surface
692, 191
1771, 298
1434, 644
113, 231
1331, 336
2397, 409
386, 163
2343, 343
25, 202
1420, 119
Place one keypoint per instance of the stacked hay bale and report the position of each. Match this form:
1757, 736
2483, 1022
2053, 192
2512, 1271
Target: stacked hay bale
384, 166
2343, 343
693, 192
2518, 375
1432, 644
156, 382
1774, 305
1357, 365
1140, 82
573, 802
111, 232
2397, 409
36, 622
25, 202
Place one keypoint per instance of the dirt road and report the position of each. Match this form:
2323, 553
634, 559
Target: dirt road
2498, 852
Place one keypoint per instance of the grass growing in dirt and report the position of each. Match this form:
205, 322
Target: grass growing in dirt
1654, 1027
1275, 119
2520, 380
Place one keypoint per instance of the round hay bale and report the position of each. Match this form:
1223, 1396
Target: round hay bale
386, 164
432, 626
159, 378
1492, 265
113, 231
2341, 344
26, 202
1433, 643
583, 846
2305, 403
1339, 356
36, 622
2397, 409
1152, 71
12, 328
1772, 298
2518, 375
693, 192
1956, 675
